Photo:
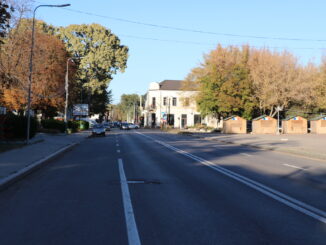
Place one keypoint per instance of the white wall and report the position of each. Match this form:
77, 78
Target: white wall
177, 110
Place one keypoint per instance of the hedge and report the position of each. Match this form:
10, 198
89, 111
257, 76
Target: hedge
73, 126
54, 124
83, 125
15, 127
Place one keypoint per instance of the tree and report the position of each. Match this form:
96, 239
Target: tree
5, 15
101, 56
128, 106
320, 89
225, 86
275, 79
49, 70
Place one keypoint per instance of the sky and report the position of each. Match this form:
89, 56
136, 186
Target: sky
194, 29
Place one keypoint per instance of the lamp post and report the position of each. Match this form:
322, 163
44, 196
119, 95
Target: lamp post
31, 66
67, 91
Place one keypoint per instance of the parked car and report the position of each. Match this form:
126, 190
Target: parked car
124, 126
107, 126
98, 130
133, 126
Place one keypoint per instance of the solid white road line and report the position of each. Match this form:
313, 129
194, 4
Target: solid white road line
292, 166
276, 195
245, 154
132, 231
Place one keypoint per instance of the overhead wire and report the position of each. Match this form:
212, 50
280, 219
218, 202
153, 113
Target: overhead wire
195, 31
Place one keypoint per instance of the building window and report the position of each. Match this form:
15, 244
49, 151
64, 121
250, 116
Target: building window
164, 100
186, 102
174, 101
197, 119
154, 102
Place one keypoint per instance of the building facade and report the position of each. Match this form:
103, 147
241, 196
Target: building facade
169, 103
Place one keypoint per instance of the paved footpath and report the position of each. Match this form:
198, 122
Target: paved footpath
309, 145
13, 161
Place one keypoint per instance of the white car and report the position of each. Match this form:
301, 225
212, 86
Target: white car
98, 130
133, 126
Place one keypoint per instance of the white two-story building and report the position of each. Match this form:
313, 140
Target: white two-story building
169, 103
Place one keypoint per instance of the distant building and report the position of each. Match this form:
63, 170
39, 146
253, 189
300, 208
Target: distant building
234, 125
295, 125
171, 103
264, 125
318, 125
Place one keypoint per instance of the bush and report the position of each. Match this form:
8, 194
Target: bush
83, 125
53, 124
14, 127
73, 126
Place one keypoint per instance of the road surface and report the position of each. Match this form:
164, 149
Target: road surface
147, 187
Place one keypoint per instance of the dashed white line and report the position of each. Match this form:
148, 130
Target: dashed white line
118, 151
132, 231
292, 166
117, 144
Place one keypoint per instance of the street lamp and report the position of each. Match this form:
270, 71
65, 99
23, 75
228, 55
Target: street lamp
31, 66
66, 88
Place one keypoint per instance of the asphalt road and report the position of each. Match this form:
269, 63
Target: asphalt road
146, 187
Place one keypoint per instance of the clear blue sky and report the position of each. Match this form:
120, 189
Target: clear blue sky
154, 61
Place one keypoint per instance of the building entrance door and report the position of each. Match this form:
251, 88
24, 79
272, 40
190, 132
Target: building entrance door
153, 120
183, 120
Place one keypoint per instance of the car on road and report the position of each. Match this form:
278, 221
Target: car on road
124, 126
107, 126
98, 130
133, 126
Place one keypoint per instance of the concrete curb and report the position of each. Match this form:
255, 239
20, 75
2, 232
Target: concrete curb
9, 180
315, 156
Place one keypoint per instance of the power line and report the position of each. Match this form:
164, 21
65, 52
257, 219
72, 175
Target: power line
194, 31
191, 30
210, 44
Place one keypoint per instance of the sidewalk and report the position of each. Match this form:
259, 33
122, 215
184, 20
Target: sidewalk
16, 161
308, 145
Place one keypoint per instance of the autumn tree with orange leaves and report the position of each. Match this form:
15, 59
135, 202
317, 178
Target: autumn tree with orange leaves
49, 67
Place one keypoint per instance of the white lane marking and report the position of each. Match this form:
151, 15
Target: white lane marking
276, 195
132, 231
136, 182
245, 154
117, 144
292, 166
118, 151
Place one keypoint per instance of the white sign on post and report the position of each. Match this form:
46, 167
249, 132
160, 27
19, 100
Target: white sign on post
80, 110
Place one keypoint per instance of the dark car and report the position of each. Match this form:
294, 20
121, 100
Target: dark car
124, 126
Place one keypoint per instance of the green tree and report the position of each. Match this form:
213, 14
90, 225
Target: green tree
100, 56
225, 86
127, 106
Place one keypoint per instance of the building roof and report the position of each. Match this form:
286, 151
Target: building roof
261, 117
230, 117
177, 85
291, 117
318, 118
